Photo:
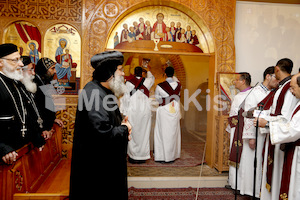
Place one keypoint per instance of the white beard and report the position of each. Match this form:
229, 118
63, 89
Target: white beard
117, 85
28, 83
16, 74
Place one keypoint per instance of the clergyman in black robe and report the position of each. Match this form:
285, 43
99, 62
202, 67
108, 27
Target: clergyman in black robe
16, 127
45, 71
98, 168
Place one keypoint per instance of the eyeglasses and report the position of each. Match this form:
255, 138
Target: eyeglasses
26, 69
14, 60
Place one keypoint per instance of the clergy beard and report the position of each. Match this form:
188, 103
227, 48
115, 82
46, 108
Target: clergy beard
7, 70
117, 85
28, 83
48, 78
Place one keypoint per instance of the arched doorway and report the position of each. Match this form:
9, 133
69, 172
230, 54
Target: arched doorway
216, 17
180, 42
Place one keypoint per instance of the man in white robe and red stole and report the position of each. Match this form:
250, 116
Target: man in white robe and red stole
283, 104
167, 133
246, 169
287, 132
138, 110
242, 83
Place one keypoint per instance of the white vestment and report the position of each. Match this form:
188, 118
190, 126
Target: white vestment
167, 133
288, 105
246, 167
286, 131
138, 109
234, 109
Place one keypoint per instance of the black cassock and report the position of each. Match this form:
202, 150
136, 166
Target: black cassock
11, 137
99, 168
47, 115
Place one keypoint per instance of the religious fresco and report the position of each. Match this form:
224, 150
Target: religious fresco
227, 88
27, 37
145, 28
63, 45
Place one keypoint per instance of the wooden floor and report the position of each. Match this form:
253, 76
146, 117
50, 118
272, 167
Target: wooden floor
59, 179
56, 186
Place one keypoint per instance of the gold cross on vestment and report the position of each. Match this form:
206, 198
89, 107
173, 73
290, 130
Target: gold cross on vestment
234, 121
284, 196
270, 161
238, 142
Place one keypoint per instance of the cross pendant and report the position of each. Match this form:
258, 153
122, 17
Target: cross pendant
23, 130
40, 122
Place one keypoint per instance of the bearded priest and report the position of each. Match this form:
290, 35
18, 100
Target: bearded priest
13, 113
98, 167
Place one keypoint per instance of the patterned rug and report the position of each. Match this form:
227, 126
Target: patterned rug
191, 155
182, 194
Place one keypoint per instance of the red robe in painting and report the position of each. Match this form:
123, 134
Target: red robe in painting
163, 29
195, 40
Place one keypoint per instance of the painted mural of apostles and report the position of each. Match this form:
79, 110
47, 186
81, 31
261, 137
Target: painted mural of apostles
148, 31
188, 34
168, 35
144, 31
194, 38
124, 33
178, 31
141, 29
173, 31
159, 27
181, 36
116, 40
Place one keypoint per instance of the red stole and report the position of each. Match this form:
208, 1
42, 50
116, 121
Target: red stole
267, 103
271, 147
232, 121
237, 142
287, 165
138, 85
237, 122
268, 100
168, 89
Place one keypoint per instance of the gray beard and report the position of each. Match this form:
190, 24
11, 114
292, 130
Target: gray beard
29, 84
16, 75
117, 85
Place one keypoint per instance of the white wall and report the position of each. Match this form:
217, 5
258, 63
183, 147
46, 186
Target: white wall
265, 33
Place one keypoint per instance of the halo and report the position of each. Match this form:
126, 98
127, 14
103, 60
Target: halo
63, 37
160, 10
34, 42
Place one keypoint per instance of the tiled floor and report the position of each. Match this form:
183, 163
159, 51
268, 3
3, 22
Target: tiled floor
177, 171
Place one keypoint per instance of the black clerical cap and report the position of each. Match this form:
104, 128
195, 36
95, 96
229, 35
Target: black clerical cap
105, 64
26, 60
43, 65
7, 49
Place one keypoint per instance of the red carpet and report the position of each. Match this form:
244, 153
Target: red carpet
191, 155
182, 194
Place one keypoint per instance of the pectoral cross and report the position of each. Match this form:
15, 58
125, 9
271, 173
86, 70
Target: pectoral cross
23, 130
40, 122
